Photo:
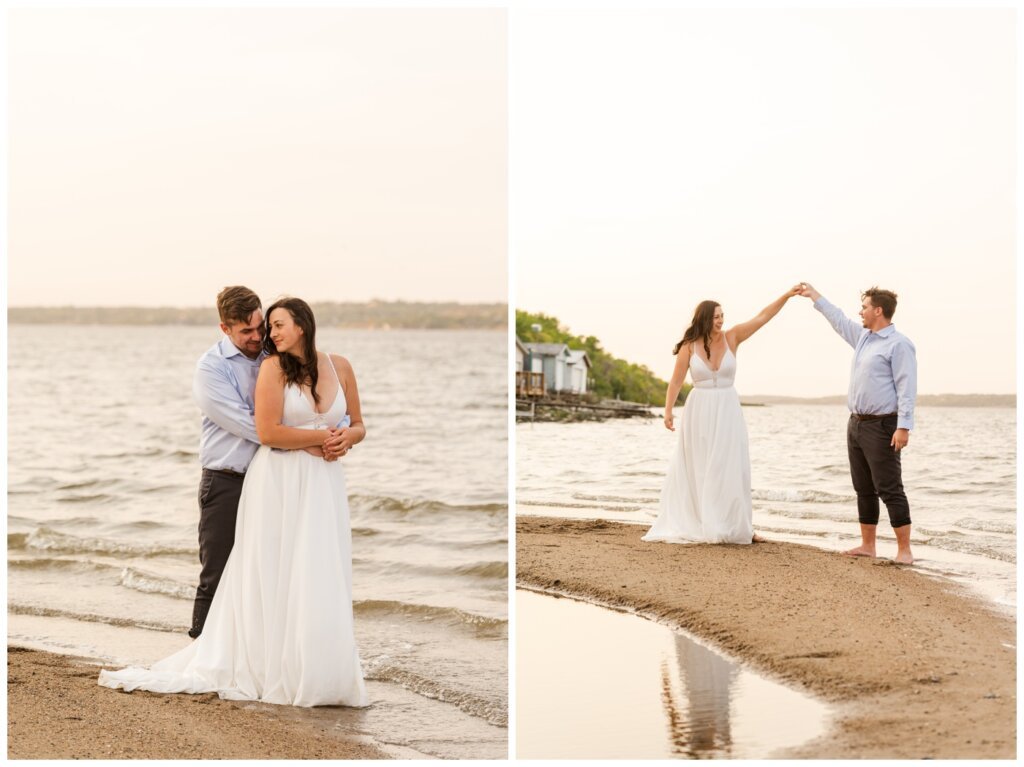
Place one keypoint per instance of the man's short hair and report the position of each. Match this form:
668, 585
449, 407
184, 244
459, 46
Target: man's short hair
884, 299
236, 304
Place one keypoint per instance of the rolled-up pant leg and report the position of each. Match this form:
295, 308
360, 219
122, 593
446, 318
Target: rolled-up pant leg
870, 442
218, 510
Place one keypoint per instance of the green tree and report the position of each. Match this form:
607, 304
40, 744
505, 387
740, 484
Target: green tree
611, 377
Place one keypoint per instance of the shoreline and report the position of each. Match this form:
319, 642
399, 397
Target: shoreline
56, 710
922, 672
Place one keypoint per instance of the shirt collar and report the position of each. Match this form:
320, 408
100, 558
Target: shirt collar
887, 331
229, 350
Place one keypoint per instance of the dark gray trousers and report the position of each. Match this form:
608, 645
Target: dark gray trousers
218, 508
876, 470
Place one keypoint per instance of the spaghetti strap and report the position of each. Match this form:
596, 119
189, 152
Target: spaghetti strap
331, 363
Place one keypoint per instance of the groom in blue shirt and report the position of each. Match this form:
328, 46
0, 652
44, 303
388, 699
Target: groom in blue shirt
883, 389
225, 390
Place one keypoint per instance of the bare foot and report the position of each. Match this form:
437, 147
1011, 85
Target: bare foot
904, 558
860, 551
757, 539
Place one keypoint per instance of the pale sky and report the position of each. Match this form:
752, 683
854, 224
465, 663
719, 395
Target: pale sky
663, 157
157, 155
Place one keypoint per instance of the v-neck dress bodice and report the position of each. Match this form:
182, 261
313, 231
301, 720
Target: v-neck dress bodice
299, 412
705, 377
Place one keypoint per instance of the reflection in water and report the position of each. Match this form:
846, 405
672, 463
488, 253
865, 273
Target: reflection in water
704, 731
596, 684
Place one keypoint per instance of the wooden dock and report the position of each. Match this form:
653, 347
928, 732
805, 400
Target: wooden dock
567, 407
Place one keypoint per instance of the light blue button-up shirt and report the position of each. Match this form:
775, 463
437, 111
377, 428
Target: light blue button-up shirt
883, 376
224, 387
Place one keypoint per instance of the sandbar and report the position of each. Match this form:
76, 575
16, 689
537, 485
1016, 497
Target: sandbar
914, 667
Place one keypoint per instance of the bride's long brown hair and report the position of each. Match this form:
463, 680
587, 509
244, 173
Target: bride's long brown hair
296, 371
700, 326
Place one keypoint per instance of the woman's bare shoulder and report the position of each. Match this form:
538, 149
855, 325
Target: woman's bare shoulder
341, 364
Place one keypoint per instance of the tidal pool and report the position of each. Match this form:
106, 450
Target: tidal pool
593, 683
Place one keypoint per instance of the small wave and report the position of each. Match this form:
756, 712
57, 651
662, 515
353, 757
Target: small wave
612, 498
16, 540
641, 473
160, 489
139, 525
569, 505
374, 503
94, 498
46, 539
792, 531
484, 569
938, 490
110, 620
969, 523
839, 516
48, 563
81, 485
396, 539
492, 711
977, 548
801, 496
35, 484
148, 583
429, 612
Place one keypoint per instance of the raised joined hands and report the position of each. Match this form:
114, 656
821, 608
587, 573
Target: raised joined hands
807, 291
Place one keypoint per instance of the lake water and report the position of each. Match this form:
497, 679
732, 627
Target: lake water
959, 472
101, 532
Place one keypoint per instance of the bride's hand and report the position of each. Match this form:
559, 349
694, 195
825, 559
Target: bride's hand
669, 420
338, 443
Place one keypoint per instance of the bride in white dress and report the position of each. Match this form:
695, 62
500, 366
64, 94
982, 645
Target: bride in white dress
280, 628
706, 495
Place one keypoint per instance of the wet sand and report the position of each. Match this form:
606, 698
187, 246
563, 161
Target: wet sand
55, 710
915, 668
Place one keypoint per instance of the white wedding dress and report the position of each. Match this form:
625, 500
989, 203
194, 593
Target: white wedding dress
280, 627
706, 495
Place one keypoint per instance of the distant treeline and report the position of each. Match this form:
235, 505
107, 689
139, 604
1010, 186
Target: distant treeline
610, 376
372, 314
923, 400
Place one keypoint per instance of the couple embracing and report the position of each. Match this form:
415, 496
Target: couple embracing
272, 619
706, 496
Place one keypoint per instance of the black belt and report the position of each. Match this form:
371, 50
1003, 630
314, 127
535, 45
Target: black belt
227, 472
868, 417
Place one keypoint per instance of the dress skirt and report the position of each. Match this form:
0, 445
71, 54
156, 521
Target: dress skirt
280, 627
706, 494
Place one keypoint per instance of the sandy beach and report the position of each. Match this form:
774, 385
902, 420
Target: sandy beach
55, 710
914, 668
